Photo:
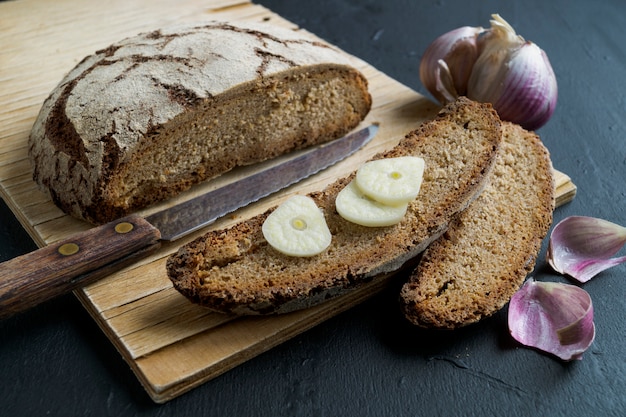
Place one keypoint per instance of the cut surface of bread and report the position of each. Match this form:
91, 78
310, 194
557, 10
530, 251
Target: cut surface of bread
474, 268
236, 271
146, 118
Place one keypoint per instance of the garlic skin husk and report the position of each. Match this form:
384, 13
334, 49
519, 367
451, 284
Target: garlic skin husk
553, 317
582, 247
447, 63
514, 75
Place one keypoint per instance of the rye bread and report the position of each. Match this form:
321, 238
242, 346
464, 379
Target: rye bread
151, 115
236, 271
474, 268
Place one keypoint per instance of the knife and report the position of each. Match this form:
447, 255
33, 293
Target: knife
63, 266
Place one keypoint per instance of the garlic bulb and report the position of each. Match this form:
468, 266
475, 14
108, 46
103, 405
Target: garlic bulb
512, 74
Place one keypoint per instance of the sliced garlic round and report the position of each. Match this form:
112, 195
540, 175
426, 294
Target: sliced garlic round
356, 207
391, 181
297, 228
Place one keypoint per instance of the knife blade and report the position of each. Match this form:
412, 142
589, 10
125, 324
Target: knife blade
83, 258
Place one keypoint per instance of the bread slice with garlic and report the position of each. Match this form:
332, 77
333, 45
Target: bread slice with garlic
149, 116
237, 271
477, 265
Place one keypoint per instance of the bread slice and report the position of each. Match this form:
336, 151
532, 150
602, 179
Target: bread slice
145, 118
237, 271
472, 270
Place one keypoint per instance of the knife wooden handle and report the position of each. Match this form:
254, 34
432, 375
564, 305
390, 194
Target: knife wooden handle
63, 266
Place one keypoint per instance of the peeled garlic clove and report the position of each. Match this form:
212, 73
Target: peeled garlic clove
514, 75
582, 247
391, 181
447, 63
553, 317
356, 207
297, 228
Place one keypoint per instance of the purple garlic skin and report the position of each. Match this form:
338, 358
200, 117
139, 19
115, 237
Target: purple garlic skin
553, 317
582, 247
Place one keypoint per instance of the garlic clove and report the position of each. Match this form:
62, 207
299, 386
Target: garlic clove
522, 91
553, 317
356, 207
447, 63
582, 247
391, 181
444, 84
297, 228
514, 75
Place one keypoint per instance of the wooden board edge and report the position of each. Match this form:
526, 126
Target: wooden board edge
164, 391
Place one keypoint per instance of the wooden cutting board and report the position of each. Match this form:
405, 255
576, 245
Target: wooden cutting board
171, 344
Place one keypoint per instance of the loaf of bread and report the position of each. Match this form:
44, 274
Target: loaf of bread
148, 117
474, 268
237, 271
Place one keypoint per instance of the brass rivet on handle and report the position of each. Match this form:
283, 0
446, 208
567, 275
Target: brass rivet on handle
68, 249
124, 227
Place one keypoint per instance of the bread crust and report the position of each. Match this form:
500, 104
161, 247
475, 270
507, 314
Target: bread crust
147, 117
236, 271
474, 269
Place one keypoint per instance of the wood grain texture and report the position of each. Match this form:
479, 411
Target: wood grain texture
68, 264
171, 345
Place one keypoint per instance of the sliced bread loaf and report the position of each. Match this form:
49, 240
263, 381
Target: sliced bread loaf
474, 268
147, 117
237, 271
